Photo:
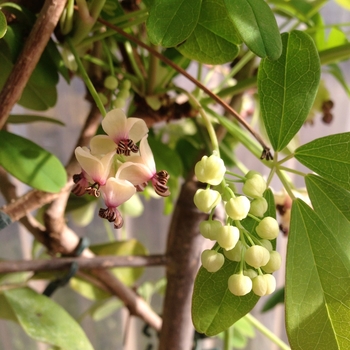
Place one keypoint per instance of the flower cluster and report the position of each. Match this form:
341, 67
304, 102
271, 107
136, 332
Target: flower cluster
254, 251
115, 167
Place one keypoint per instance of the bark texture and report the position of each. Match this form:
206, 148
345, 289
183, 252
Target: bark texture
183, 254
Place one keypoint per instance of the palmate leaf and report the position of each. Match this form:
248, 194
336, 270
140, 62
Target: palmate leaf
317, 284
331, 203
30, 163
287, 88
257, 26
329, 157
214, 307
171, 22
215, 39
44, 320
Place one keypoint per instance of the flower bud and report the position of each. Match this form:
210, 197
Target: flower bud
274, 263
258, 206
209, 229
206, 200
254, 186
237, 208
110, 82
268, 228
250, 273
270, 283
212, 260
267, 244
228, 237
235, 254
239, 284
210, 170
257, 256
259, 285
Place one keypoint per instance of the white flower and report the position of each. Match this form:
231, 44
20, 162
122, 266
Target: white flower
141, 169
123, 133
210, 170
238, 208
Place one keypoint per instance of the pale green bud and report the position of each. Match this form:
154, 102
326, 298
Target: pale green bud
274, 263
103, 98
239, 284
257, 256
209, 229
206, 200
235, 254
270, 283
110, 82
268, 228
259, 285
267, 244
123, 94
254, 186
125, 85
238, 208
118, 102
210, 170
258, 206
251, 173
228, 237
212, 260
250, 273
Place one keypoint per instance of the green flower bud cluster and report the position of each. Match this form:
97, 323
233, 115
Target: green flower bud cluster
254, 251
119, 91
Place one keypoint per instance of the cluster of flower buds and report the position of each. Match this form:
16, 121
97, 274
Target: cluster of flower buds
118, 92
116, 167
254, 251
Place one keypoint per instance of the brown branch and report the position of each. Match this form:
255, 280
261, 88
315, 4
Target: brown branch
182, 71
97, 262
184, 247
29, 57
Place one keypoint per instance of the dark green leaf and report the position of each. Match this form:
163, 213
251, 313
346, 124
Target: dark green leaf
215, 39
30, 163
3, 24
276, 298
331, 203
165, 157
287, 87
329, 157
171, 22
257, 26
29, 118
44, 320
5, 220
214, 307
317, 284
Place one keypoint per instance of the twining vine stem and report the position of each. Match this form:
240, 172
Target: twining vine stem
266, 152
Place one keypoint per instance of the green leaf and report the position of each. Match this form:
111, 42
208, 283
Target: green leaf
215, 39
317, 284
214, 307
88, 290
287, 88
3, 24
329, 157
331, 203
276, 298
29, 118
170, 22
162, 153
257, 26
343, 3
30, 163
337, 73
128, 275
44, 320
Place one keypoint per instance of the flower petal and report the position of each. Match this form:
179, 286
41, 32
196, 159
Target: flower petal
102, 144
136, 173
117, 191
114, 124
137, 129
147, 155
90, 164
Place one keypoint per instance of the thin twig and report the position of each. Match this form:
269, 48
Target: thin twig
29, 57
182, 71
96, 262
